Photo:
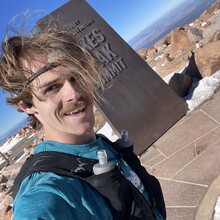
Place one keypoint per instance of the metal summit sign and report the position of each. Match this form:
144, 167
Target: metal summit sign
139, 101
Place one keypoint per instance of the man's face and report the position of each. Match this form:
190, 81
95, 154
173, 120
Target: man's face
64, 108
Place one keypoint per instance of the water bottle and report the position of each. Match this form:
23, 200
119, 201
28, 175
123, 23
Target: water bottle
103, 165
124, 141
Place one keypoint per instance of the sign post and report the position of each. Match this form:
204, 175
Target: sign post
139, 101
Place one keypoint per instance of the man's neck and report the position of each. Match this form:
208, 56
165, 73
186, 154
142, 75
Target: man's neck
70, 138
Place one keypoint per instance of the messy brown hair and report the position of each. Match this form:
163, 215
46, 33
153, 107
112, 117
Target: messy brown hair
42, 41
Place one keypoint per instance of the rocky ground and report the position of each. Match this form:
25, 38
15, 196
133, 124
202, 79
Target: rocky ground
195, 46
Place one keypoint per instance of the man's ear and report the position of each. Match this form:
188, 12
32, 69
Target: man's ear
26, 107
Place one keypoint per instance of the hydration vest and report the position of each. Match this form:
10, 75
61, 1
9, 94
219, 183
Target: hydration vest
124, 200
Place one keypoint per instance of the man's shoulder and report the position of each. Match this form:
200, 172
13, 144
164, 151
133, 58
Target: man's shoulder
49, 190
37, 185
47, 180
41, 182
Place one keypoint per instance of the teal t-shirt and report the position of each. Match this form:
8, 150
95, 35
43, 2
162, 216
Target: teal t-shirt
50, 196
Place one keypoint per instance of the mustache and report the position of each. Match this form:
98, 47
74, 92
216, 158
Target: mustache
73, 106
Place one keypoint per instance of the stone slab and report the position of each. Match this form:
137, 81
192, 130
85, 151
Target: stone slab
186, 133
204, 168
207, 140
181, 213
149, 154
155, 161
181, 194
212, 107
173, 164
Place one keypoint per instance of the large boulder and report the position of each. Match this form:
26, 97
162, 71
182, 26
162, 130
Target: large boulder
195, 34
180, 83
207, 58
216, 36
152, 53
211, 30
3, 179
192, 69
180, 43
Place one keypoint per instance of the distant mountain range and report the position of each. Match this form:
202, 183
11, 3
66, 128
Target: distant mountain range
14, 130
185, 13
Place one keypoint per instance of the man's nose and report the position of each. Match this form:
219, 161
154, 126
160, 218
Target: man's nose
71, 91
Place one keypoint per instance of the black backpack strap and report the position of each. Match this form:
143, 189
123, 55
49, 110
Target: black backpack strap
56, 162
150, 182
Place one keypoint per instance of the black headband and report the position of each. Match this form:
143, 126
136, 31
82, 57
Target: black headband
52, 58
44, 69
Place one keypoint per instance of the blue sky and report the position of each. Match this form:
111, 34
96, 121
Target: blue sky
127, 17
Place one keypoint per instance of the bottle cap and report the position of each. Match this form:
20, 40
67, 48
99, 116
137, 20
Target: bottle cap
103, 165
102, 157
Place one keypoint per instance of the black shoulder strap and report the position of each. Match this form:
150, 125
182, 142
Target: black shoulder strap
150, 182
56, 162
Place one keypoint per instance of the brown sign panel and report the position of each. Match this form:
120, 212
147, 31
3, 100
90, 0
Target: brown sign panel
139, 101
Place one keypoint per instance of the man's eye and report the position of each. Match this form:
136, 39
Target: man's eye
52, 89
72, 79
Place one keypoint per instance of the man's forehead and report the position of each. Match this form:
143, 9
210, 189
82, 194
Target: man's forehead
33, 64
42, 64
33, 69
